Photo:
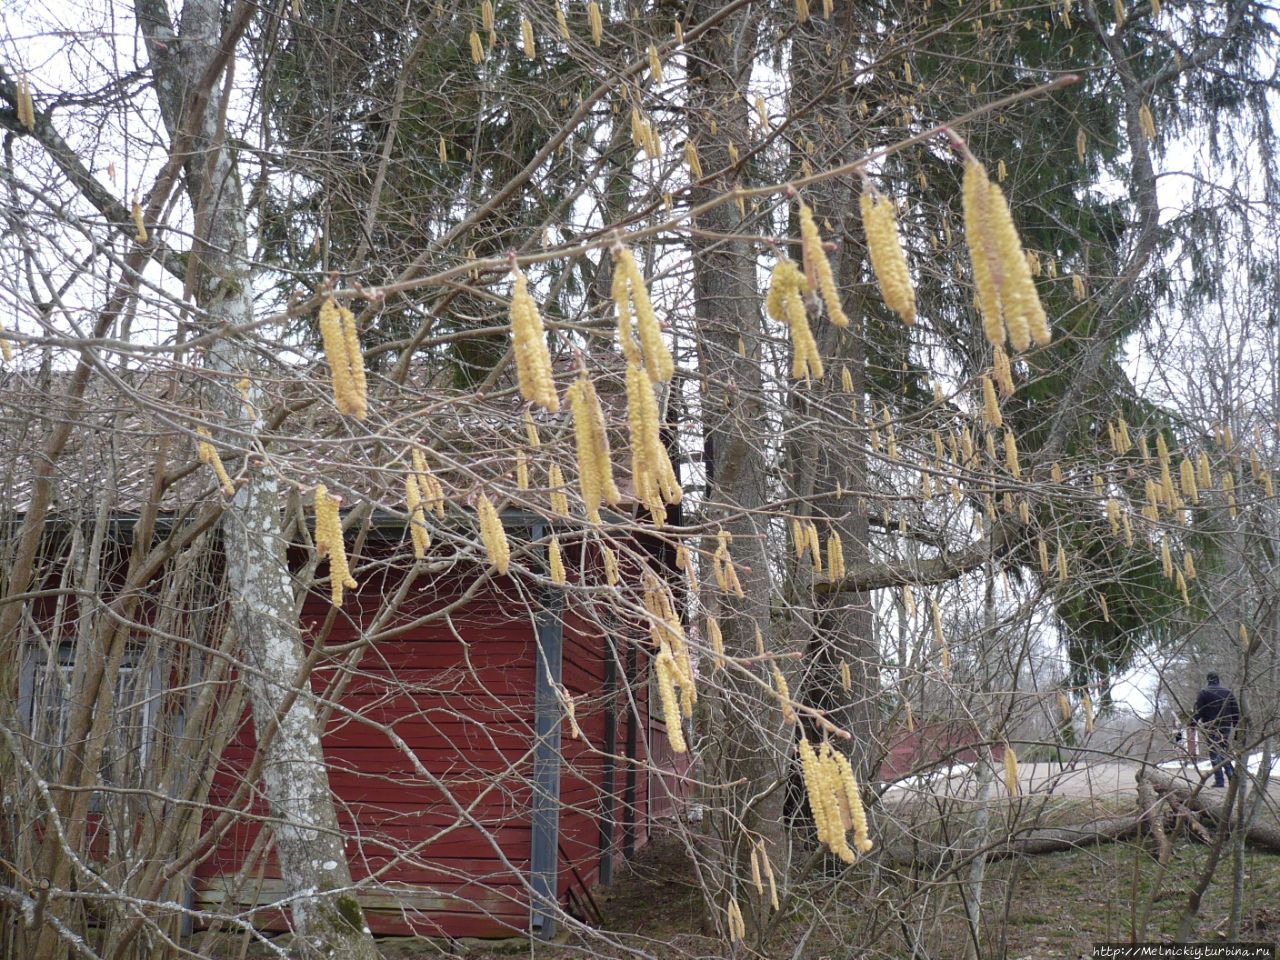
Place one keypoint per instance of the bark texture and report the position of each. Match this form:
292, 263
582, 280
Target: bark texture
328, 919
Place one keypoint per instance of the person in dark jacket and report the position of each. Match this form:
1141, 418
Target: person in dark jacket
1218, 712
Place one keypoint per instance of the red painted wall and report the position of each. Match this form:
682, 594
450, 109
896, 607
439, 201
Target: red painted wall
440, 716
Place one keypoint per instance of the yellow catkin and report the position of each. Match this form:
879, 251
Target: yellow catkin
428, 486
477, 48
1086, 701
852, 795
1044, 558
880, 222
757, 878
329, 543
522, 470
562, 24
679, 33
835, 556
1001, 371
990, 405
691, 160
653, 476
527, 40
784, 695
139, 225
768, 875
655, 64
737, 927
597, 24
717, 642
359, 406
533, 359
1007, 293
1147, 122
1011, 455
555, 562
846, 677
815, 547
668, 673
802, 10
555, 482
208, 454
417, 516
1244, 637
785, 303
1063, 571
1182, 587
1204, 473
631, 297
1055, 472
595, 463
27, 112
1268, 486
611, 575
762, 113
1187, 479
493, 535
346, 361
1064, 707
1102, 605
1011, 783
846, 380
1229, 491
818, 266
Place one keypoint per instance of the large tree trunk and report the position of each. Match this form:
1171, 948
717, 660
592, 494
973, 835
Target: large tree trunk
748, 736
327, 917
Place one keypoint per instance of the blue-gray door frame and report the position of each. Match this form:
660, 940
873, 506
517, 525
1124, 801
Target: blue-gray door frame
544, 866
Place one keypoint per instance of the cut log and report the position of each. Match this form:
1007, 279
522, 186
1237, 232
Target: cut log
1209, 801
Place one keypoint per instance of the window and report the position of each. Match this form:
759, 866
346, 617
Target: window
47, 704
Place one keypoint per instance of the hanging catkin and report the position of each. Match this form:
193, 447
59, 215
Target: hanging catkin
1007, 293
346, 361
880, 223
595, 463
26, 109
555, 482
631, 298
493, 535
785, 303
597, 24
417, 516
527, 40
209, 455
139, 225
818, 266
533, 359
329, 543
1011, 771
653, 476
428, 486
555, 562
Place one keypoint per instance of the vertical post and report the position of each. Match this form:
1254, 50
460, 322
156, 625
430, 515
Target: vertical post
544, 867
608, 802
633, 721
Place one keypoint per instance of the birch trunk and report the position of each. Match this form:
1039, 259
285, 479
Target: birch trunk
328, 920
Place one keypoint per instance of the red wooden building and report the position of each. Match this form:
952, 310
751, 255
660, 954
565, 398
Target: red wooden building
468, 804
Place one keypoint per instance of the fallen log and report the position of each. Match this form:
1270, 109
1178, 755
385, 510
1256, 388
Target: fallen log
1029, 842
1208, 801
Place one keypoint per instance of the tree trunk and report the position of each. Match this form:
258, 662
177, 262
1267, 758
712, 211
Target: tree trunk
327, 918
748, 741
1261, 835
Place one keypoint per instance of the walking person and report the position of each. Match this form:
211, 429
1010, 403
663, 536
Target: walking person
1218, 712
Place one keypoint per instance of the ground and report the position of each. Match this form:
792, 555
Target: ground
1035, 908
